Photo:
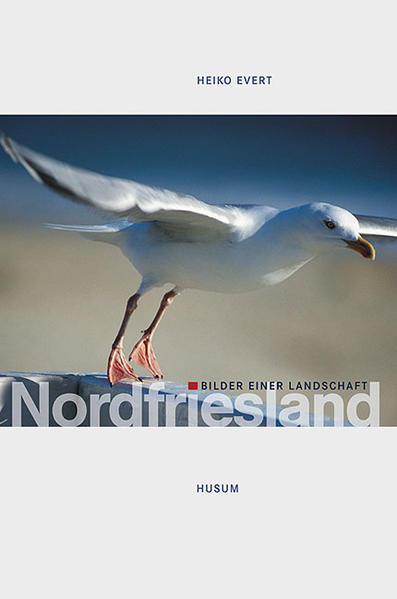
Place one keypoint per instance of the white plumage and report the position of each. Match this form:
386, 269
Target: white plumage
175, 238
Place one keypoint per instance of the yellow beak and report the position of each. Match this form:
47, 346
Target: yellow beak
362, 246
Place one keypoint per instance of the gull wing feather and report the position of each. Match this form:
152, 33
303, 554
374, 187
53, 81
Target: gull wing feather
377, 226
177, 215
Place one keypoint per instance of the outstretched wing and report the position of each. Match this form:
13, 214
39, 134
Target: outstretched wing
179, 215
377, 226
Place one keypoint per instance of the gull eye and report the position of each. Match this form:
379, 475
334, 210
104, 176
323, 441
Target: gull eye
329, 224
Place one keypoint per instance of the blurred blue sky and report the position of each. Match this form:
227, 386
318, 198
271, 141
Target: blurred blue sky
275, 160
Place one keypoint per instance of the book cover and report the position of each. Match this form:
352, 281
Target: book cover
198, 239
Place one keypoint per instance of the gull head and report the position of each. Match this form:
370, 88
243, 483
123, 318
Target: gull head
325, 227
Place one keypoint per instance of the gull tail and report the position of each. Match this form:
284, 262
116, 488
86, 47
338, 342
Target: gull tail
109, 233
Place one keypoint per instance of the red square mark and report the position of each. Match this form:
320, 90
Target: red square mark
192, 386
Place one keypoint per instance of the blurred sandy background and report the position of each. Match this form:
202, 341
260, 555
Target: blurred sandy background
62, 298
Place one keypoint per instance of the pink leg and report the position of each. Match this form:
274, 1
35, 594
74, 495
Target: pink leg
143, 353
118, 367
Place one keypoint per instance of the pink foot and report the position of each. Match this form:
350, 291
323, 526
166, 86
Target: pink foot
118, 367
143, 355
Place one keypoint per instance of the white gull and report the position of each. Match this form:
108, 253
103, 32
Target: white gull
176, 239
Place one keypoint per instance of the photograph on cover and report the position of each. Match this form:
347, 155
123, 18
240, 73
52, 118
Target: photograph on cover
198, 270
